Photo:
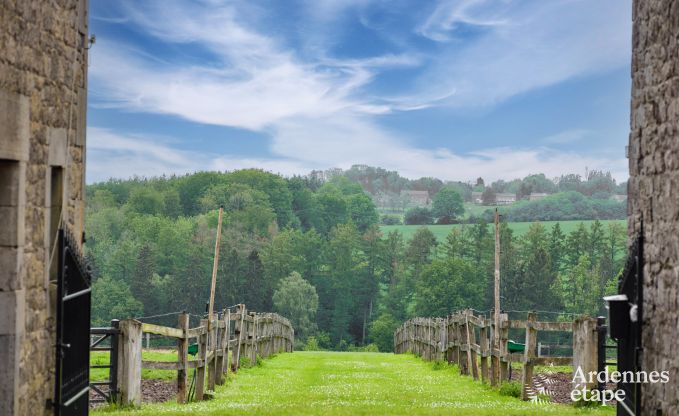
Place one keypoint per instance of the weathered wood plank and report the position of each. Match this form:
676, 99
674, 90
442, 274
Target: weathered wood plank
162, 330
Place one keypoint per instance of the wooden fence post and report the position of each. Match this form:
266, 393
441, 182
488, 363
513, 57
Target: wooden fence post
213, 349
504, 353
252, 338
228, 342
220, 364
183, 359
494, 355
238, 334
202, 353
472, 346
528, 355
585, 349
483, 342
129, 363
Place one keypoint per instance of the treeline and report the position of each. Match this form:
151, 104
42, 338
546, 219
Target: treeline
565, 206
387, 185
311, 250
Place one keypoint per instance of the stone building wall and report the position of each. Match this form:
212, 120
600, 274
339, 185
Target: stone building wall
654, 190
43, 72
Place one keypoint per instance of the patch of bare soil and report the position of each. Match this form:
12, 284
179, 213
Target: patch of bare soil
152, 391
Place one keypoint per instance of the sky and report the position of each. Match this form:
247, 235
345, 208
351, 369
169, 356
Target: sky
453, 89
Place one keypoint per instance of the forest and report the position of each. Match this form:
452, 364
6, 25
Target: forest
311, 249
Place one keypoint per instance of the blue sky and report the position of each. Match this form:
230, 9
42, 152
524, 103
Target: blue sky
454, 89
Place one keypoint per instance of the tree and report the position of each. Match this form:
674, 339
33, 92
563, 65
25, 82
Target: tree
382, 332
445, 286
297, 300
362, 211
489, 196
113, 299
146, 200
140, 285
418, 216
447, 203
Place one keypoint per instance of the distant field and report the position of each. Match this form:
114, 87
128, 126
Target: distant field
520, 228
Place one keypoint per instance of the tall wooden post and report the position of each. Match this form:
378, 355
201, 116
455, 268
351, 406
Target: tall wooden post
495, 360
202, 355
215, 264
183, 358
129, 363
529, 354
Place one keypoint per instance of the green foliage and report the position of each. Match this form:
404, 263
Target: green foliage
564, 206
446, 285
512, 389
391, 220
113, 299
297, 300
418, 216
312, 344
447, 203
382, 332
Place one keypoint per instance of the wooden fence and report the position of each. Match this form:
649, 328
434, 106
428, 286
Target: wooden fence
465, 339
222, 343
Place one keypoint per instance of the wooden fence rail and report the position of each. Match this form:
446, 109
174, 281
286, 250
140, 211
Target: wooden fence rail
222, 344
466, 340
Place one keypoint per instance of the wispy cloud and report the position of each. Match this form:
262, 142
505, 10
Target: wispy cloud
320, 110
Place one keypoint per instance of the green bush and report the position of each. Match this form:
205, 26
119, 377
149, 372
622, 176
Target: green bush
312, 344
439, 365
511, 388
391, 220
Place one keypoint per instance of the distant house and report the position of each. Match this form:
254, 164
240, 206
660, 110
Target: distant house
620, 198
536, 196
505, 198
416, 198
477, 197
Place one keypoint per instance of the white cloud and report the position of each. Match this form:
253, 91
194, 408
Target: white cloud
318, 111
523, 46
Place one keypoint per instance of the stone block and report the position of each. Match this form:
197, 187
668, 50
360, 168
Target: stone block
58, 149
12, 306
13, 225
9, 374
14, 126
10, 267
12, 183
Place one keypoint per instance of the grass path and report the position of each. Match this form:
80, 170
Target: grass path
336, 383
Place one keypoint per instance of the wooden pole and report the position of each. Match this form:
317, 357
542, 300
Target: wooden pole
182, 351
496, 332
214, 270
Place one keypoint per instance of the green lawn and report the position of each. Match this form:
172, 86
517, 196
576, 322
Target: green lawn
101, 358
342, 383
520, 228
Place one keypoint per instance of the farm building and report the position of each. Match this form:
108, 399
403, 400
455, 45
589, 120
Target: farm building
43, 81
416, 198
505, 198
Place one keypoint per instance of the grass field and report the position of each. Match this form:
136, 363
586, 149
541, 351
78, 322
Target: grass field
341, 383
101, 358
520, 228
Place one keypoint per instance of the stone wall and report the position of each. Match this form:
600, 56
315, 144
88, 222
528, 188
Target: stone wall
654, 190
43, 72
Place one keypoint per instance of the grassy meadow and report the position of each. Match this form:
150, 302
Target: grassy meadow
358, 383
519, 228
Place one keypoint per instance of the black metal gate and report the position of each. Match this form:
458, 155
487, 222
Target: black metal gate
626, 325
106, 339
71, 395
